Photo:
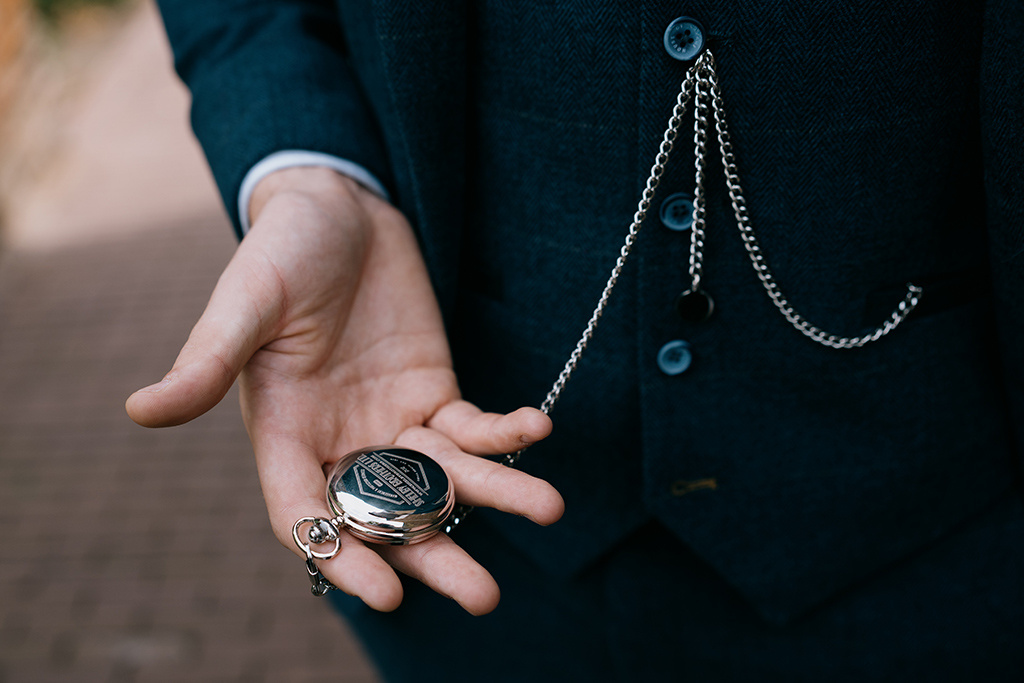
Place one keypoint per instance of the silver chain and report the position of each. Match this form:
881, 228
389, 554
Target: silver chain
700, 143
707, 84
701, 83
660, 161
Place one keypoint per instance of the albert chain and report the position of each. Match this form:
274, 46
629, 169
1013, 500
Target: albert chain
701, 85
707, 89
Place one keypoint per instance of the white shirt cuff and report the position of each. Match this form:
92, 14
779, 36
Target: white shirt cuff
296, 157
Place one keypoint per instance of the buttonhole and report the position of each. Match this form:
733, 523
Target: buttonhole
681, 487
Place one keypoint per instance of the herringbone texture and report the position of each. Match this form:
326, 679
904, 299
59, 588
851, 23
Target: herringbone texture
130, 554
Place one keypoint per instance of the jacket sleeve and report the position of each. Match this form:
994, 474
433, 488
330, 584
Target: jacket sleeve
265, 76
1002, 128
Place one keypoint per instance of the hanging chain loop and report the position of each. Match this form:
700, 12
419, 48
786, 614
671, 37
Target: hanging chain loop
707, 88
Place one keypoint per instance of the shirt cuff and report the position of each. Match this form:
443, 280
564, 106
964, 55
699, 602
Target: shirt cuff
296, 157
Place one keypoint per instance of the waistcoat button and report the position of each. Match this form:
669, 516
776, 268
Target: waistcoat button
677, 212
684, 39
695, 307
674, 357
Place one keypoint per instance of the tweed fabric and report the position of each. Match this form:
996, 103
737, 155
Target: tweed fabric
255, 91
948, 615
877, 146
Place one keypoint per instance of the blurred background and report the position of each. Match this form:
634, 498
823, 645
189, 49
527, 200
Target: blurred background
125, 554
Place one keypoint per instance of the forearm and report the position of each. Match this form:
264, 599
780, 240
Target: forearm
269, 76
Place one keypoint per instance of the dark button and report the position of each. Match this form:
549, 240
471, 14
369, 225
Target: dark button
695, 307
674, 357
684, 39
677, 212
681, 487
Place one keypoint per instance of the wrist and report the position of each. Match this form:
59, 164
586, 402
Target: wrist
310, 181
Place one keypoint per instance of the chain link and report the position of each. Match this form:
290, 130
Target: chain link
700, 144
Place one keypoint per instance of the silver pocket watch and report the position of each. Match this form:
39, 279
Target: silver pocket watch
381, 494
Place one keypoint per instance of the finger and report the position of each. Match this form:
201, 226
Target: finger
243, 308
440, 564
480, 433
294, 487
482, 483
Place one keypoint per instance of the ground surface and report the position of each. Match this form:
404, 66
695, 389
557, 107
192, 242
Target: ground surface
129, 554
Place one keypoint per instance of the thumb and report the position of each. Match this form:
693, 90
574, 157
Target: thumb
240, 317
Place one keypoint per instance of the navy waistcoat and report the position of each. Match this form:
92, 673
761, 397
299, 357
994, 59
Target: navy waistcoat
877, 147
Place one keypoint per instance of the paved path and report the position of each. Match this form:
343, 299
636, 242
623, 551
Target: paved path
129, 554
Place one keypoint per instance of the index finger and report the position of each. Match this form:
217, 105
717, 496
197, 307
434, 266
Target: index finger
480, 433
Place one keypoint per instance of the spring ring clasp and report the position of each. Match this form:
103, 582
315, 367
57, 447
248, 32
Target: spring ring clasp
320, 531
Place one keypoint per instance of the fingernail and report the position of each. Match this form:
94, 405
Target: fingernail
155, 388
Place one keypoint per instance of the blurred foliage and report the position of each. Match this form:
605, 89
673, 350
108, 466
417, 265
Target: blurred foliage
52, 10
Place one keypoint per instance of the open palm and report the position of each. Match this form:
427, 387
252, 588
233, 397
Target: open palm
327, 317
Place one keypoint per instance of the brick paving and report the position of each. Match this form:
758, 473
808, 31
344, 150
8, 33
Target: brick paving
129, 554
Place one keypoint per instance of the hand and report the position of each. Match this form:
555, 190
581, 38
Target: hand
327, 316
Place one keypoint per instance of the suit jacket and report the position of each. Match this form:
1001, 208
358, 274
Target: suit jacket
877, 146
